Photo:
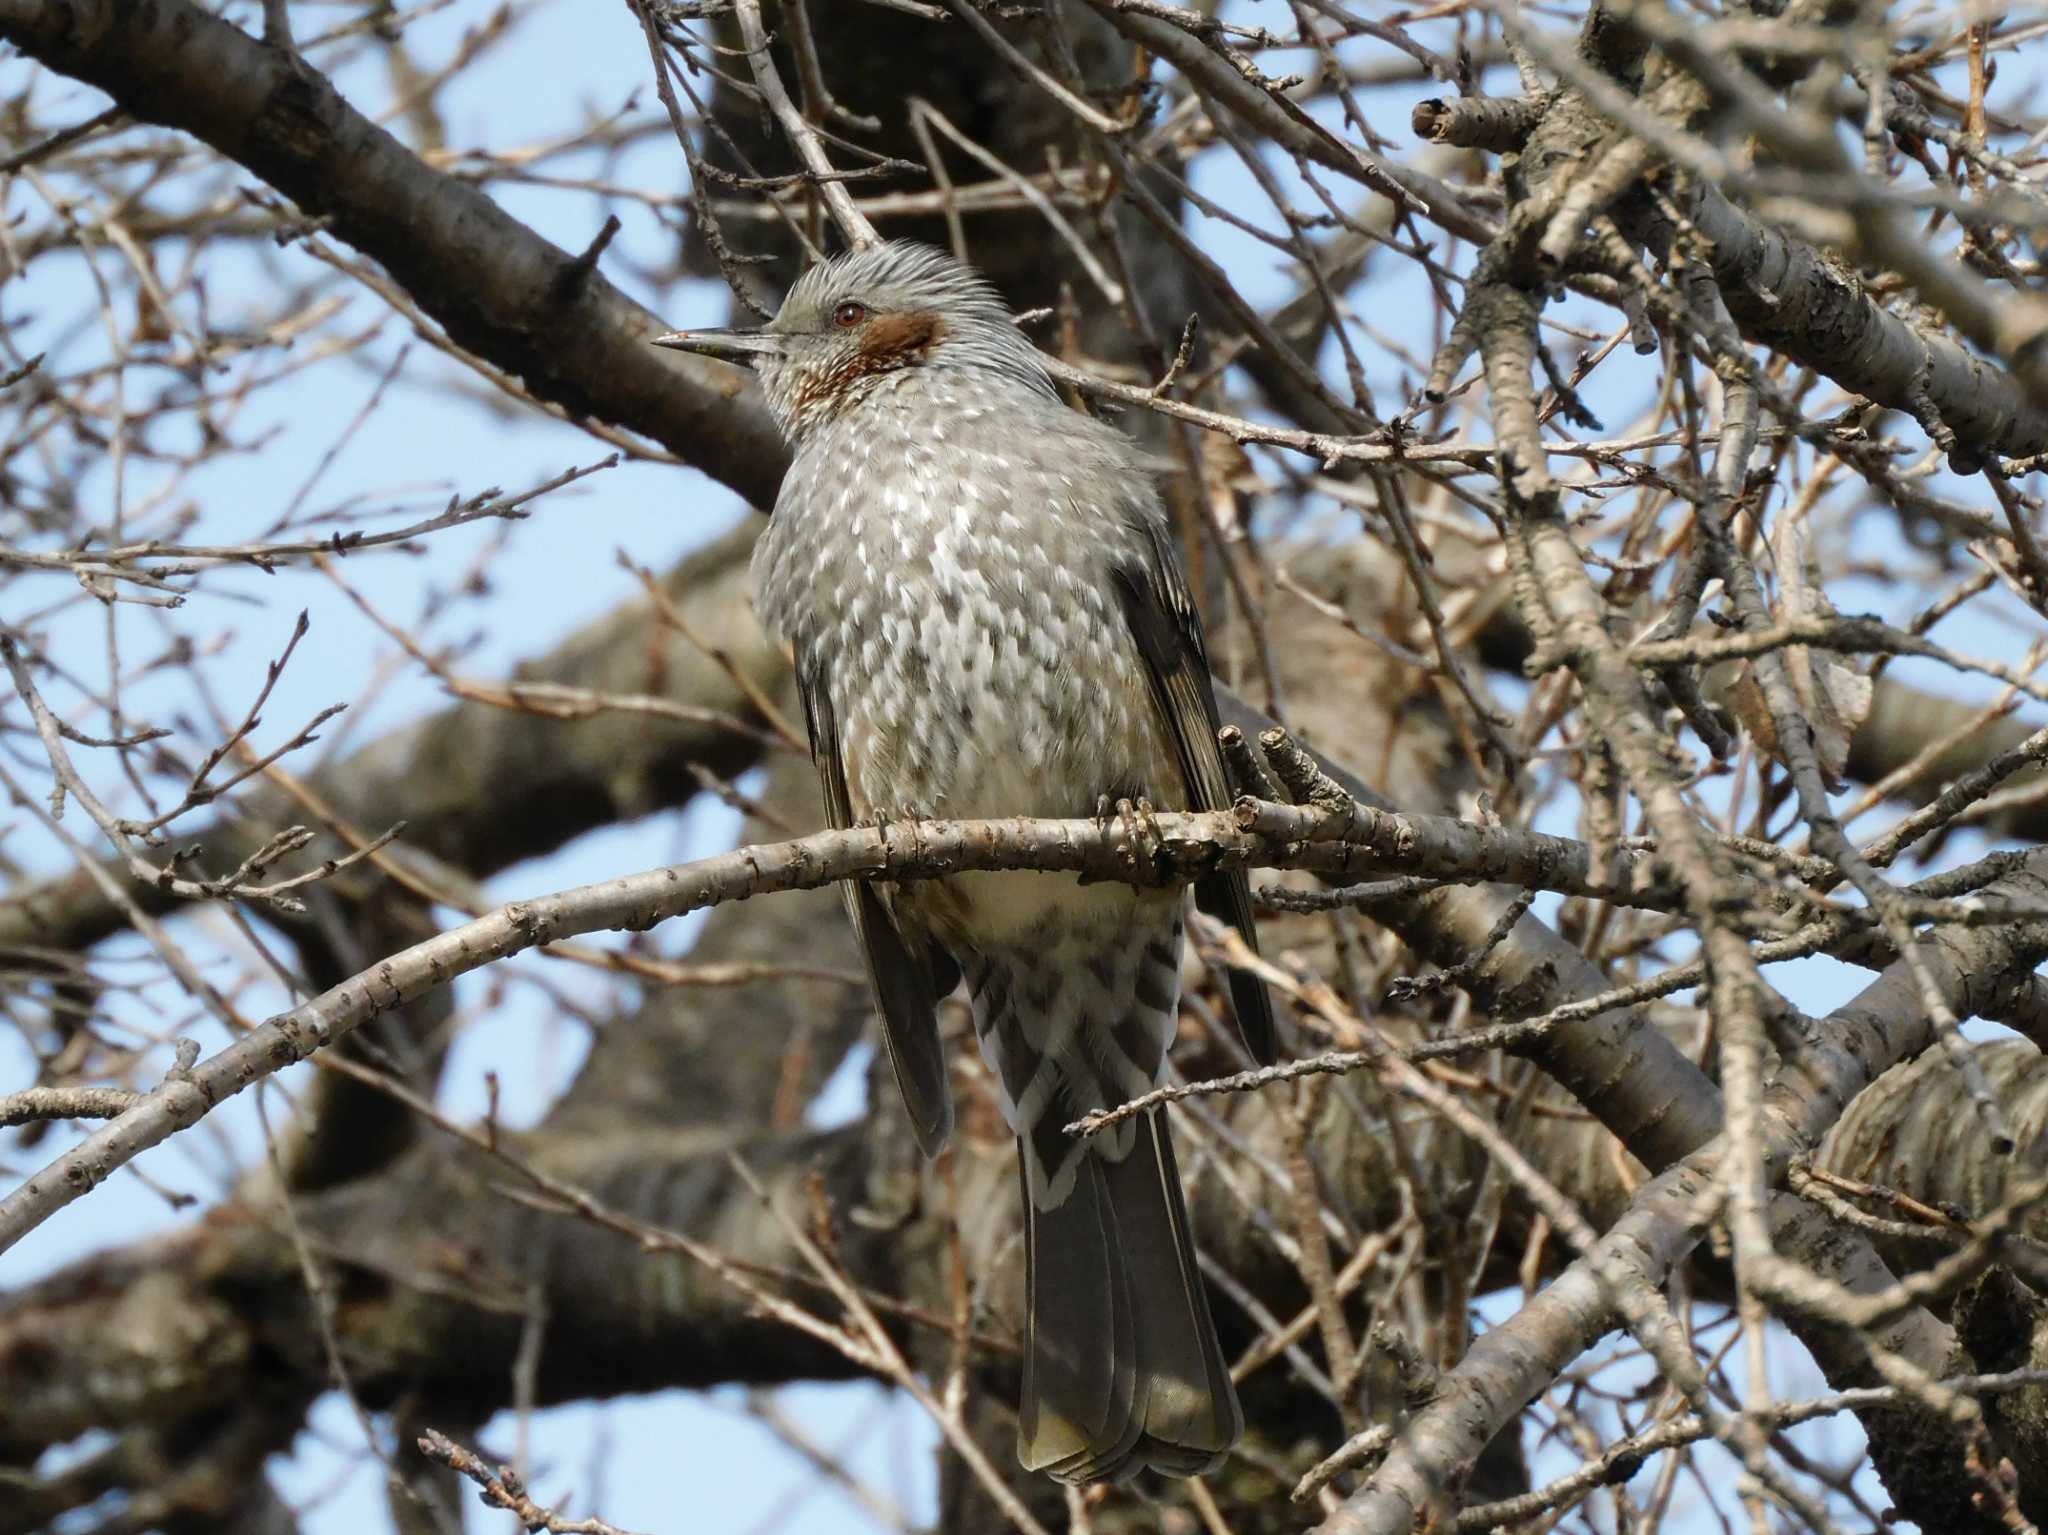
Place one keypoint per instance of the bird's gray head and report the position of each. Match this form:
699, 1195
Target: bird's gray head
858, 320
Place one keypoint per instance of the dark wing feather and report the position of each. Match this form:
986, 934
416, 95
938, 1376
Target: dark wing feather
1168, 630
901, 966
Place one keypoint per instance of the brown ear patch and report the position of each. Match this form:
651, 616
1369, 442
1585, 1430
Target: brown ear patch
899, 340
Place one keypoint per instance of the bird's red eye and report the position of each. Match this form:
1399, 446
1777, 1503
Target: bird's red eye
849, 313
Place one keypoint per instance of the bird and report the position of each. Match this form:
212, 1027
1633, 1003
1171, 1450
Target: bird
988, 617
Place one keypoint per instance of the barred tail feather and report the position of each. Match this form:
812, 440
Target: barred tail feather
1122, 1370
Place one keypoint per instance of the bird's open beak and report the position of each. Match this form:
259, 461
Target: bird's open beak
741, 346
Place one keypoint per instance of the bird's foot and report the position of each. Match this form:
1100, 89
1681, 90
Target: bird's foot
882, 817
1149, 816
890, 820
1108, 812
1141, 829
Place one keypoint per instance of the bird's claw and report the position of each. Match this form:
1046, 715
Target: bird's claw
1141, 829
882, 817
1150, 817
892, 818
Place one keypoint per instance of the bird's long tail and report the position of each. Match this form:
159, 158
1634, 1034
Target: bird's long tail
1121, 1366
1122, 1369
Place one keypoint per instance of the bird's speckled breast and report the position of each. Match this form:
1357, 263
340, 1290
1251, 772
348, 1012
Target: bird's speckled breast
939, 561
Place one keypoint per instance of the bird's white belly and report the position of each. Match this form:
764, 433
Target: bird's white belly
994, 719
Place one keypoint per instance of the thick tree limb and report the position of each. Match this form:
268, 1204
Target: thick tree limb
495, 286
1788, 296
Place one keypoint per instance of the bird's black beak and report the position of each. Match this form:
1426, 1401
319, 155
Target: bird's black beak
734, 345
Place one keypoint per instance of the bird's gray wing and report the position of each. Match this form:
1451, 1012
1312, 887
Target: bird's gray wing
1163, 620
900, 965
